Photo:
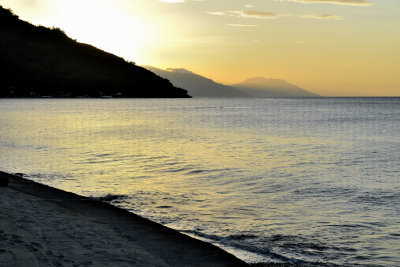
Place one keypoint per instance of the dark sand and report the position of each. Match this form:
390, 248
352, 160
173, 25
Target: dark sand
43, 226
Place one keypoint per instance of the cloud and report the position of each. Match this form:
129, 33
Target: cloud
259, 14
218, 13
246, 14
172, 1
334, 2
242, 25
269, 15
179, 1
322, 16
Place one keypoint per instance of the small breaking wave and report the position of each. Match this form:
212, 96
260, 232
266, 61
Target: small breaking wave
109, 197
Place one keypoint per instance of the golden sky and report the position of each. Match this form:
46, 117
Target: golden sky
329, 47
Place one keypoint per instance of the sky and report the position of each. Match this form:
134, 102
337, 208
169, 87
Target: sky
328, 47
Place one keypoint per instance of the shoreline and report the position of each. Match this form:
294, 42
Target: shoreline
42, 226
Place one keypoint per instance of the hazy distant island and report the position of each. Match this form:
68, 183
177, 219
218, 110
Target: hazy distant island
36, 61
274, 88
199, 86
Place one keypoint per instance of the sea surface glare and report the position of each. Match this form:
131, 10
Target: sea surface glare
282, 180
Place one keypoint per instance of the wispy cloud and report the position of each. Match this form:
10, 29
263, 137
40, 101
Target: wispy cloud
269, 15
180, 1
242, 25
334, 2
218, 13
259, 14
322, 16
172, 1
246, 14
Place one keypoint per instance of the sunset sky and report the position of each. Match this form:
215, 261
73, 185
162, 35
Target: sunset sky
329, 47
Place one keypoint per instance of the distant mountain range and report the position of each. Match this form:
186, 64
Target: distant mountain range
36, 61
199, 86
274, 88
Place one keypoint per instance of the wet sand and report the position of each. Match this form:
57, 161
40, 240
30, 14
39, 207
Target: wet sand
44, 226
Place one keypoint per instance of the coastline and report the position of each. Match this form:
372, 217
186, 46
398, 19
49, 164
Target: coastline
42, 226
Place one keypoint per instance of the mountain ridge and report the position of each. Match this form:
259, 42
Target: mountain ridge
271, 87
197, 85
200, 86
36, 61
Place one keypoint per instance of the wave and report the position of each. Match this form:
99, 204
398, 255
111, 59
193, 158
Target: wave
109, 197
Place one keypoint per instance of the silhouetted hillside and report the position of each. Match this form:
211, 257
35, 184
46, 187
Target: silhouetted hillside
197, 86
36, 61
263, 87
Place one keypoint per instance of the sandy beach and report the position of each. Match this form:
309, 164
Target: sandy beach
43, 226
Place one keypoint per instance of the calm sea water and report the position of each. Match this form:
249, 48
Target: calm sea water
282, 180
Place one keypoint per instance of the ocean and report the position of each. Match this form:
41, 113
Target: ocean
314, 181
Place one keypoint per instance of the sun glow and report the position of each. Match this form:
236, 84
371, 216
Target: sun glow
105, 25
347, 48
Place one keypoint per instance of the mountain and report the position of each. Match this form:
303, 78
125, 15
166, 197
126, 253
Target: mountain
263, 87
198, 86
37, 61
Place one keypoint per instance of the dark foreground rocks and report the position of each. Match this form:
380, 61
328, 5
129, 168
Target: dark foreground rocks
3, 180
